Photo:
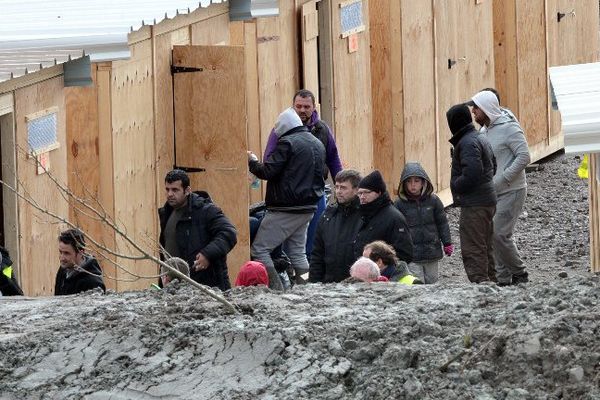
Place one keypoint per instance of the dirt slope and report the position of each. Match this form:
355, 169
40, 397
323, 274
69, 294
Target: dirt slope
379, 341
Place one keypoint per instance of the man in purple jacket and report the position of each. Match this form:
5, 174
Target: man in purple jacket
304, 104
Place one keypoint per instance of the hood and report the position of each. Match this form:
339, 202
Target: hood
488, 103
414, 169
287, 121
4, 257
459, 117
252, 273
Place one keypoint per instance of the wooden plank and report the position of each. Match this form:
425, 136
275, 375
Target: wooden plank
289, 50
532, 72
236, 33
352, 94
134, 159
186, 20
326, 62
310, 51
200, 136
594, 201
38, 232
31, 78
418, 60
6, 103
105, 166
212, 31
383, 45
505, 53
252, 98
8, 167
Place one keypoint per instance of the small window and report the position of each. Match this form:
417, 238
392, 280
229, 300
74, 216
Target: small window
41, 131
351, 17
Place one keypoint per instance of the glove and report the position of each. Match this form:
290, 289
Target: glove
252, 156
449, 249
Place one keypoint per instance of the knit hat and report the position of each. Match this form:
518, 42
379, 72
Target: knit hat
373, 181
488, 102
287, 121
252, 273
458, 117
179, 264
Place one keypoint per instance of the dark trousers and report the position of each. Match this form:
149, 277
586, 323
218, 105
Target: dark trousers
476, 242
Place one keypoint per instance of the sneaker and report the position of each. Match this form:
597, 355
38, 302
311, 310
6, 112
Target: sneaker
522, 278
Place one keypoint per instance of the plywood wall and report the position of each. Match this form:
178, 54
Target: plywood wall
38, 243
594, 199
413, 86
134, 159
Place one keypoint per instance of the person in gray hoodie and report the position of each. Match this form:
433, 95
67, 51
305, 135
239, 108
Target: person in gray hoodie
426, 218
510, 148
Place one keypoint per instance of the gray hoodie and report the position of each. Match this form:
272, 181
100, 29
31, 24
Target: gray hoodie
512, 153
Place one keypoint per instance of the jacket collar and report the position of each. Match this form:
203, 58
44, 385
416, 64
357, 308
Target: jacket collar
301, 128
460, 133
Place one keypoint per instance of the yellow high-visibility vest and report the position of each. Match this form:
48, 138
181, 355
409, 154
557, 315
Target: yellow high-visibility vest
7, 271
407, 280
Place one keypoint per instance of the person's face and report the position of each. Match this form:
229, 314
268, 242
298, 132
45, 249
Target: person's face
69, 257
165, 280
344, 192
366, 196
304, 108
479, 116
176, 193
414, 185
367, 253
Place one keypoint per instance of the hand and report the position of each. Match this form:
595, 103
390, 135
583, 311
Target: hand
449, 249
201, 262
251, 156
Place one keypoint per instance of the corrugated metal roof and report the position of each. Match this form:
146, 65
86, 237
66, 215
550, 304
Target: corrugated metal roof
39, 33
577, 92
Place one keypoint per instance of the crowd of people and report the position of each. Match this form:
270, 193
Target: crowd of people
365, 235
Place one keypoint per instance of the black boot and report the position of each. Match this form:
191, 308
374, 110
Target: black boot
522, 278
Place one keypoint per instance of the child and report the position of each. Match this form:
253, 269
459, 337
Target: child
426, 218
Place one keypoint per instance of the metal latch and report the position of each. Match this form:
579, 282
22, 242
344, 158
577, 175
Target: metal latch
175, 69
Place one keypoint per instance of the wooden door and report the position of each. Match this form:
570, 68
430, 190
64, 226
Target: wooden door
210, 132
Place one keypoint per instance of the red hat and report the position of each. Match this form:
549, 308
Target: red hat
252, 273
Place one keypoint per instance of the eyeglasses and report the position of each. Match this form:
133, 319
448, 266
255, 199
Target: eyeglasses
364, 192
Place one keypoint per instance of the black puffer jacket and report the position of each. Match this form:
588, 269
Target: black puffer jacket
85, 277
380, 220
203, 228
333, 252
425, 216
294, 172
473, 169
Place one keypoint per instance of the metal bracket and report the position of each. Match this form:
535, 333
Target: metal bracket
175, 69
189, 169
560, 15
452, 62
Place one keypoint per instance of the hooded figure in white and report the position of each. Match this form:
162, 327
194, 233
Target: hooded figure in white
287, 121
510, 148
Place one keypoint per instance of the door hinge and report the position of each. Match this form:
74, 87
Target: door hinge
175, 69
189, 169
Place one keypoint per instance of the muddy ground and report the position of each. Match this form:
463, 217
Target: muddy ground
452, 340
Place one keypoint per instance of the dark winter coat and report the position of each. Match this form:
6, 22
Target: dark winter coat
8, 283
85, 277
203, 228
473, 169
380, 220
395, 272
425, 216
294, 172
333, 251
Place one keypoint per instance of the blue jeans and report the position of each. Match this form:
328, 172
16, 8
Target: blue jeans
312, 227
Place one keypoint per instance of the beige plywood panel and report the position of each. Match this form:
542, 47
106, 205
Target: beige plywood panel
448, 80
420, 135
163, 93
215, 139
289, 62
212, 31
8, 156
532, 72
310, 52
594, 191
38, 243
505, 52
352, 93
134, 160
479, 71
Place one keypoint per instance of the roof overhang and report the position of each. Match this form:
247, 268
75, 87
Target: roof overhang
240, 10
577, 92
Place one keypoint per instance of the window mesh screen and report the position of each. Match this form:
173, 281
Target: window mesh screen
41, 133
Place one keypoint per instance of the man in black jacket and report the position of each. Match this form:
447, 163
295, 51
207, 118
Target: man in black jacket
294, 175
471, 183
380, 220
196, 230
332, 253
78, 271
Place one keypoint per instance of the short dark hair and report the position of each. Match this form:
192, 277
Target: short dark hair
349, 175
178, 175
304, 93
74, 237
380, 249
490, 89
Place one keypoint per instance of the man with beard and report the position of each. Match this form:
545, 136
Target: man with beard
380, 220
78, 271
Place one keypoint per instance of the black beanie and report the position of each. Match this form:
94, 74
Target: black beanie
373, 181
458, 117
